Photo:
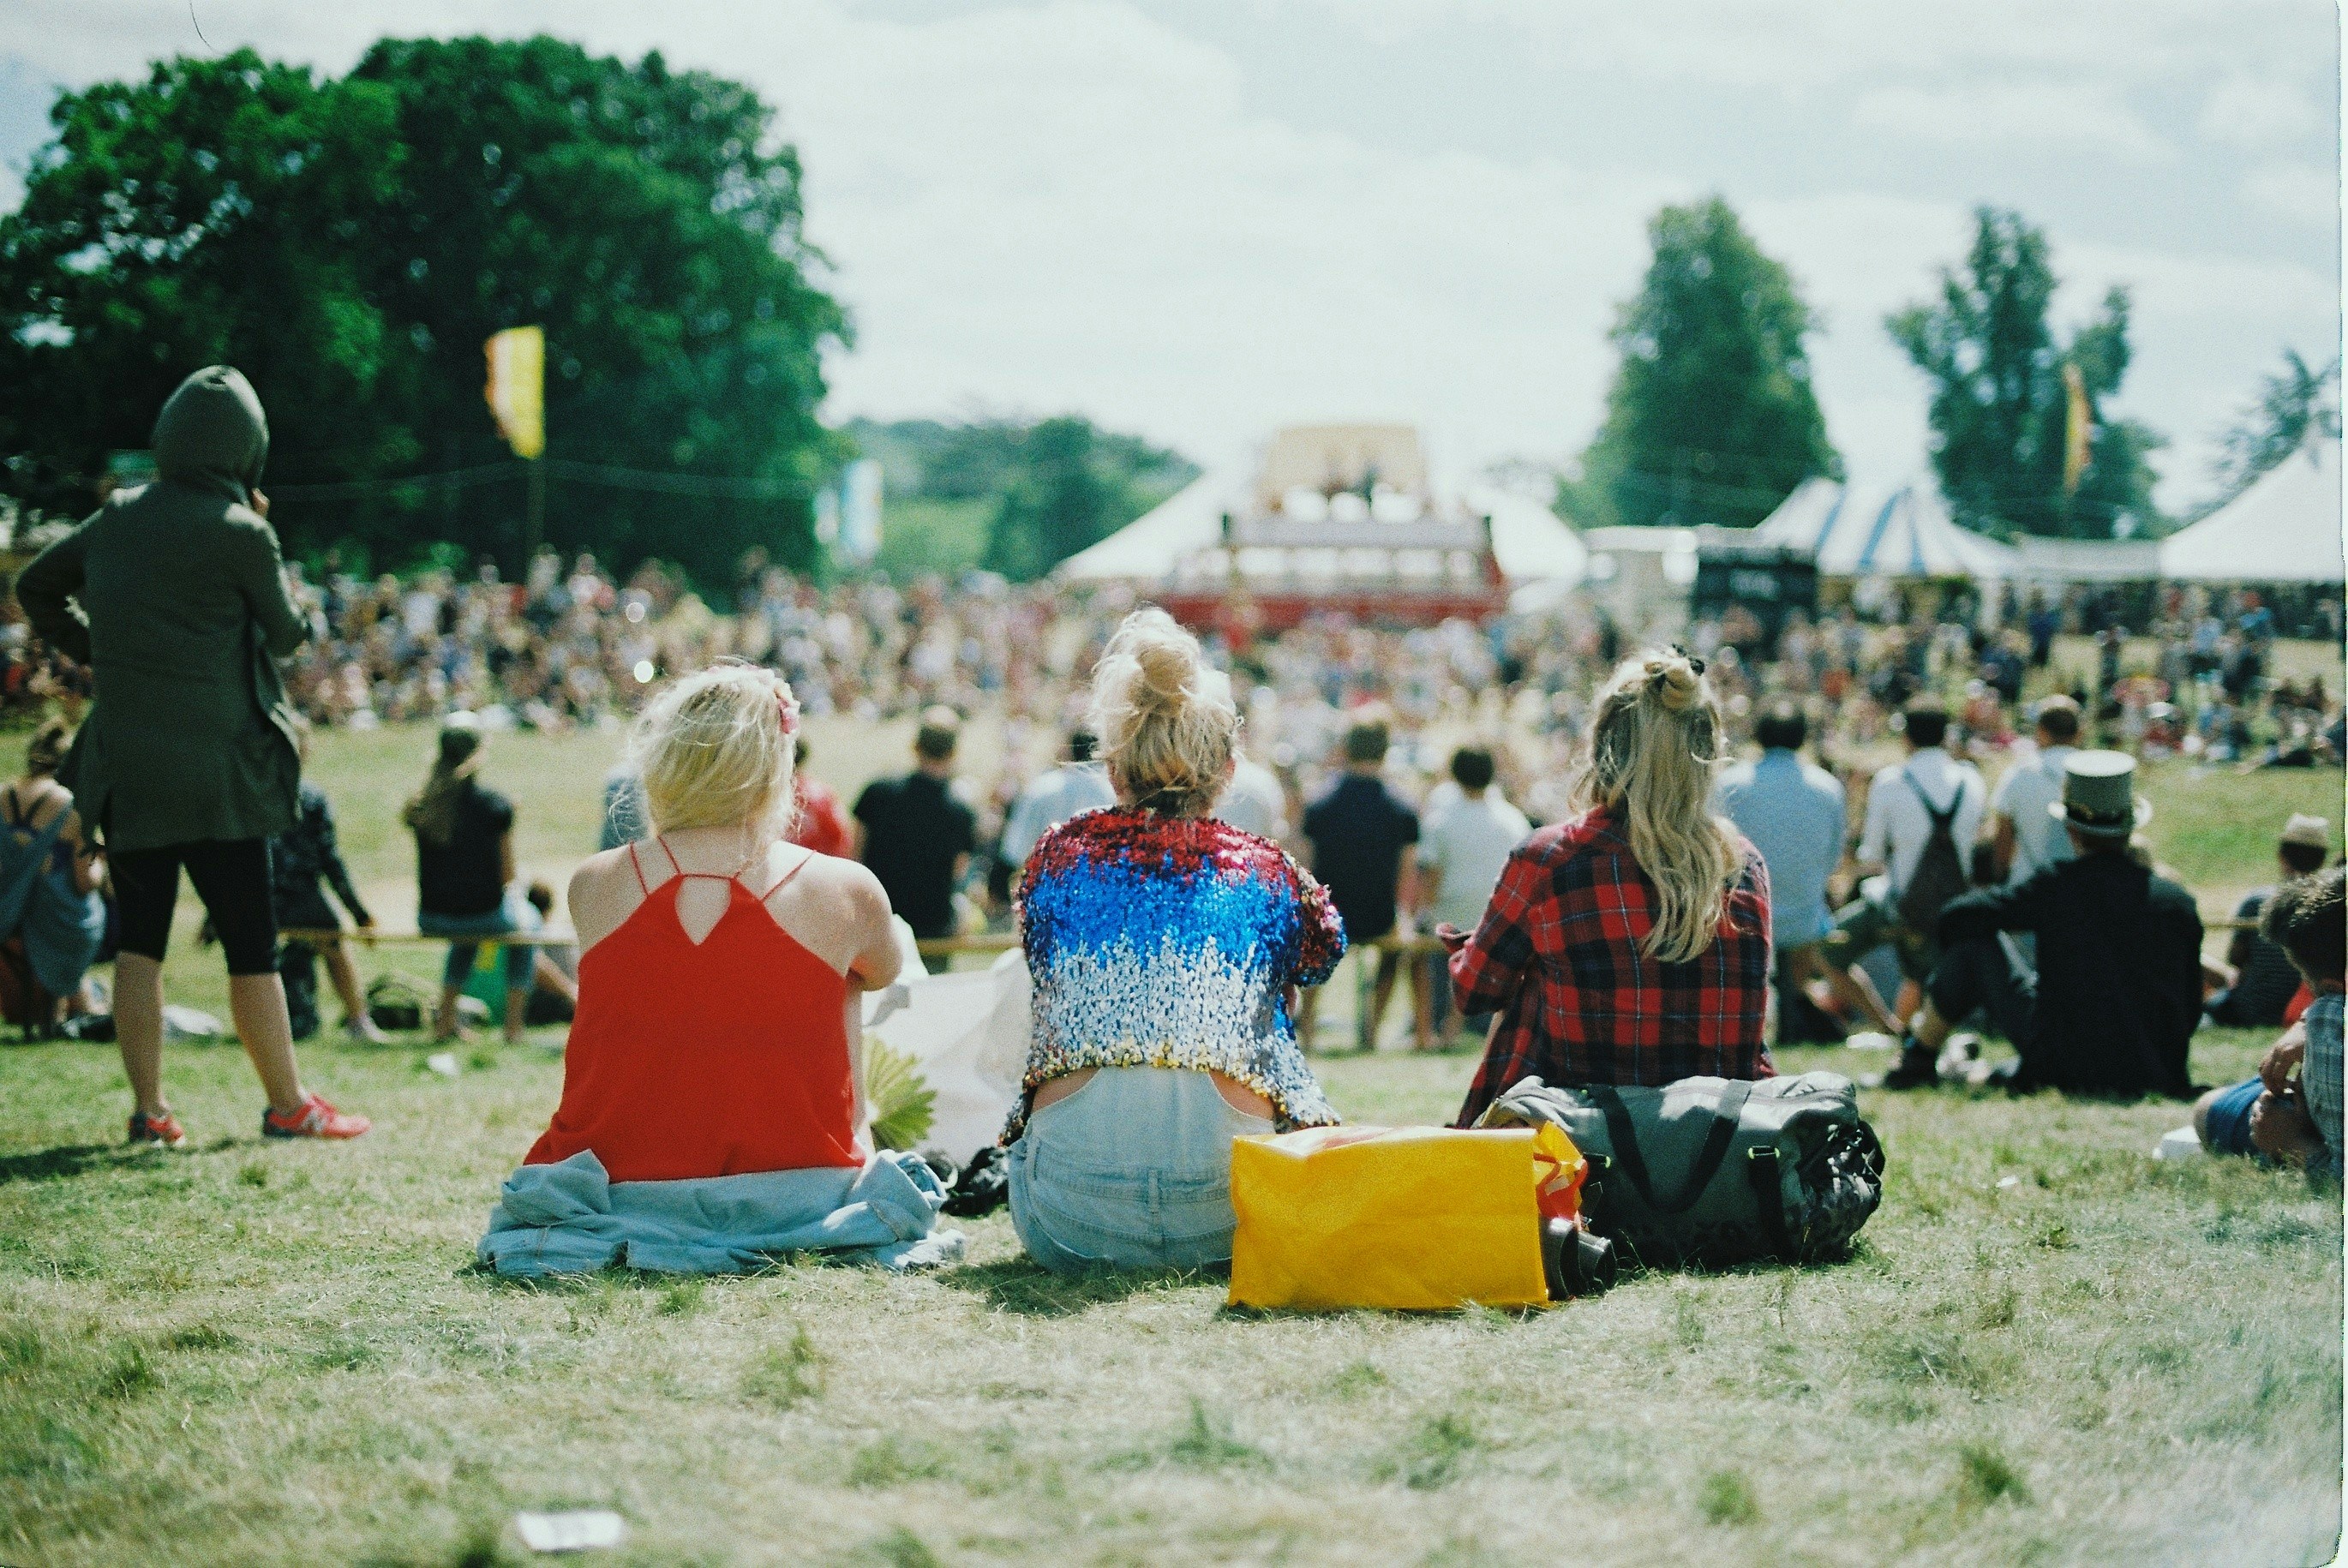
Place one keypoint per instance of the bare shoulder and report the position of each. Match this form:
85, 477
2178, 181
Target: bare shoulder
604, 892
849, 881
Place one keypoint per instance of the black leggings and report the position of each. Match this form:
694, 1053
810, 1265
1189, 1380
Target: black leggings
232, 876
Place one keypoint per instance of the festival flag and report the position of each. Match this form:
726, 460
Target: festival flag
2076, 428
517, 389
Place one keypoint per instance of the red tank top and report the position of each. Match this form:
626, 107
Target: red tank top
705, 1059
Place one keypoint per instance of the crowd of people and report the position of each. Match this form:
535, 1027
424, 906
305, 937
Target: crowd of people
1607, 900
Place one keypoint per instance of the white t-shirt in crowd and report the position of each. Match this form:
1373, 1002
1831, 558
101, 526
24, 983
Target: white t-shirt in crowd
1899, 826
2024, 790
1468, 844
1253, 803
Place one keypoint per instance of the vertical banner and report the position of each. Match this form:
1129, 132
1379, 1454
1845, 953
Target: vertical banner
2076, 427
516, 388
859, 512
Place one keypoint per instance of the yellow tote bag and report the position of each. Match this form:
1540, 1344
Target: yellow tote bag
1415, 1218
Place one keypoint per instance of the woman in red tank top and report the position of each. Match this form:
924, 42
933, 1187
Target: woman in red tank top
720, 970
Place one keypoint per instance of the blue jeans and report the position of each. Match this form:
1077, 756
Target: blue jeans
2229, 1119
1132, 1170
516, 913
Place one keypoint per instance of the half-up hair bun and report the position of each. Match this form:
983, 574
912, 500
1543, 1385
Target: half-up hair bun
1674, 679
1165, 717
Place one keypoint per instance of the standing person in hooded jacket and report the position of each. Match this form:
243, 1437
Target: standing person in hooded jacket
174, 595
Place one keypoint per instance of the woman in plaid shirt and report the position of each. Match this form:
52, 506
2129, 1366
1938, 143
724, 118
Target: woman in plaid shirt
1631, 943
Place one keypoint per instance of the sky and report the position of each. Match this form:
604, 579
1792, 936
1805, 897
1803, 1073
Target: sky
1200, 220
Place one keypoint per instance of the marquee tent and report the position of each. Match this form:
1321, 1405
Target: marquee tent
2286, 528
1907, 533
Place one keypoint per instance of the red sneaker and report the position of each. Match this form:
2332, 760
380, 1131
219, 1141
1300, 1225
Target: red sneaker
314, 1119
162, 1127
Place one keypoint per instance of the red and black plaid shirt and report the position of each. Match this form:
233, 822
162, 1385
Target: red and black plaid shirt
1556, 955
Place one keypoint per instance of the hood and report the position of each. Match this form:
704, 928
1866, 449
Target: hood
211, 434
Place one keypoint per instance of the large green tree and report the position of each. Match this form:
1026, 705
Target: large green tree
350, 243
2000, 408
1711, 418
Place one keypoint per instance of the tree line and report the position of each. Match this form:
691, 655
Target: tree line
1712, 417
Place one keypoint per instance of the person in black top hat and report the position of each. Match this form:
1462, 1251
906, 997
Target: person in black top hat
2112, 1003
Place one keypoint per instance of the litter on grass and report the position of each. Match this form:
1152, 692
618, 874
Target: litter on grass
444, 1063
2178, 1143
584, 1531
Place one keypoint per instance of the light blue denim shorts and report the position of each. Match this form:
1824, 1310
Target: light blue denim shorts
1132, 1170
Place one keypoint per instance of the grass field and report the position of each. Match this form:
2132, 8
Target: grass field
2048, 1348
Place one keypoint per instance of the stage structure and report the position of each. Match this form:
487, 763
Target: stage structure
1337, 518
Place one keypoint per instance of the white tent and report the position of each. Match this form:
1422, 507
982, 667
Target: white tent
1531, 544
1907, 533
1144, 550
2286, 528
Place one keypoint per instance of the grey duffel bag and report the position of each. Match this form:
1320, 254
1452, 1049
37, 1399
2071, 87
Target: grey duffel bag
1716, 1171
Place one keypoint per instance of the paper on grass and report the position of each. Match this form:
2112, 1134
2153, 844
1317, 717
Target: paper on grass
579, 1532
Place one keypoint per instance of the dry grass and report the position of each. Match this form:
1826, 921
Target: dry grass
251, 1354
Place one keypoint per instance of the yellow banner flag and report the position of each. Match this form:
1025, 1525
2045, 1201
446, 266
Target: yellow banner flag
517, 389
2078, 424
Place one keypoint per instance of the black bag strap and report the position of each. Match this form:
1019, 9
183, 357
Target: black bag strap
1942, 821
1625, 1135
1762, 1168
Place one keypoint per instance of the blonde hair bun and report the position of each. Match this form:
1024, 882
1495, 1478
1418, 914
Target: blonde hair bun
1673, 679
1165, 717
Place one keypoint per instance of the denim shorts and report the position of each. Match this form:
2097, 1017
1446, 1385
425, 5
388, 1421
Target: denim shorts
1132, 1170
514, 912
2228, 1120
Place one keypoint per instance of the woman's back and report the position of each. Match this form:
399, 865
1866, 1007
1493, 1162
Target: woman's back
709, 1040
1159, 941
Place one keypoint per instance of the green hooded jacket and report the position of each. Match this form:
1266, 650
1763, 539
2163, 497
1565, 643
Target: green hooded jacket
174, 595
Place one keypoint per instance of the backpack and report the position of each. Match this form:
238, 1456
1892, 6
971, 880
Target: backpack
1940, 873
1715, 1170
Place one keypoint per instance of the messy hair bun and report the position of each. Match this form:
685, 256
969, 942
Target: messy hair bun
1165, 717
1673, 678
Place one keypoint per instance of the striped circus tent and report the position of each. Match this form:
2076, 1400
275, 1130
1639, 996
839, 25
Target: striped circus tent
1909, 532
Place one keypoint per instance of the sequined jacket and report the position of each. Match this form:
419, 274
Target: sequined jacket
1168, 942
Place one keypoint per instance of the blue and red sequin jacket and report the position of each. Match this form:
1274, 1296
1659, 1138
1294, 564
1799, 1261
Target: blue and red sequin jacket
1168, 942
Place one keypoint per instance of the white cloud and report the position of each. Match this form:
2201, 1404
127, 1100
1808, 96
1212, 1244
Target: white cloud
2301, 191
2251, 110
2047, 120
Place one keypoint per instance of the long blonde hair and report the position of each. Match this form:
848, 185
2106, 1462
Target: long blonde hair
717, 750
1165, 717
1654, 747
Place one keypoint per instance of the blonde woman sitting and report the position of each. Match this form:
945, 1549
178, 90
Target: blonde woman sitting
1629, 944
712, 1111
1166, 949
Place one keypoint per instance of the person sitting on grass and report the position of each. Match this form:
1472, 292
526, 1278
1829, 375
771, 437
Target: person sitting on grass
304, 860
60, 919
1167, 950
2294, 1121
465, 875
1629, 944
2265, 979
2112, 1002
718, 1038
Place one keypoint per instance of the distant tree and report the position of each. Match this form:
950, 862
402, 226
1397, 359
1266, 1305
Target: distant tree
1712, 417
1999, 407
351, 244
2292, 404
1065, 485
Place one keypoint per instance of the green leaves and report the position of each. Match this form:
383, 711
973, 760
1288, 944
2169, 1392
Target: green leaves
1999, 412
1711, 418
350, 243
